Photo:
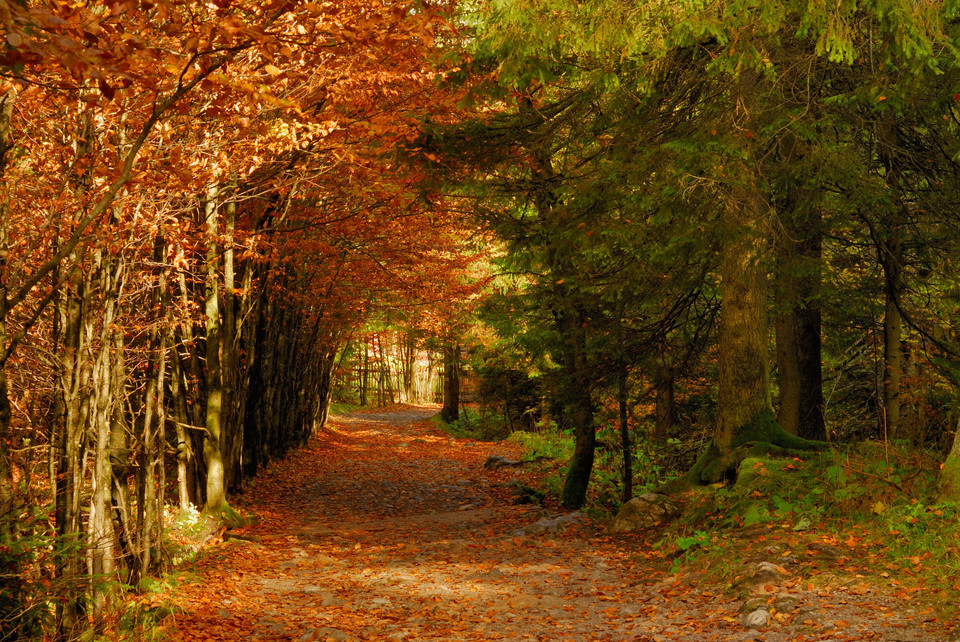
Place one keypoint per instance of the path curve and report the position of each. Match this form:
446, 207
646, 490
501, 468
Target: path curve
385, 528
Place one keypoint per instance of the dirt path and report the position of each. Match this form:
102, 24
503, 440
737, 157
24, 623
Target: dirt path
387, 529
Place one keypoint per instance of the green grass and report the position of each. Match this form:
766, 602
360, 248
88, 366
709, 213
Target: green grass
343, 407
473, 424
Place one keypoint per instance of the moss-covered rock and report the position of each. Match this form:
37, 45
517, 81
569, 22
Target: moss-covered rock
761, 437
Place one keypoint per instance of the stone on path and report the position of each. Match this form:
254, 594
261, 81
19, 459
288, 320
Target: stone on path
549, 524
644, 511
498, 461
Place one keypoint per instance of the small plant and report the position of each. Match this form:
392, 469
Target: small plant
687, 545
481, 426
551, 445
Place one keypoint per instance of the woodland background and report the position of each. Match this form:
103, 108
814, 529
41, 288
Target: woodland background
700, 231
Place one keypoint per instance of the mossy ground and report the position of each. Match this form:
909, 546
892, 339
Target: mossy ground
874, 502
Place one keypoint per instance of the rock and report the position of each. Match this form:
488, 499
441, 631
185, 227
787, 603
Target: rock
644, 511
825, 549
770, 567
524, 494
498, 461
549, 524
241, 537
756, 619
753, 604
761, 573
786, 603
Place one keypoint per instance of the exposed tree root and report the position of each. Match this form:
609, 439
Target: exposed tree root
762, 437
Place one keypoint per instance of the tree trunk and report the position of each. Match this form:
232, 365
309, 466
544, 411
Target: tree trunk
665, 410
213, 439
451, 383
797, 320
232, 435
892, 331
811, 421
73, 388
785, 328
102, 553
408, 352
578, 407
949, 481
744, 393
625, 445
11, 587
364, 370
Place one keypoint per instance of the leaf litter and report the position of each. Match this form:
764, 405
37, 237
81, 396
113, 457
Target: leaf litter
386, 528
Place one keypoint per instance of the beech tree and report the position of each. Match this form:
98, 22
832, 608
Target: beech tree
191, 225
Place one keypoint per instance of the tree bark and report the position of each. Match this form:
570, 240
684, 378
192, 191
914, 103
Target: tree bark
625, 445
451, 383
949, 481
213, 439
665, 410
578, 407
892, 334
744, 393
811, 420
798, 320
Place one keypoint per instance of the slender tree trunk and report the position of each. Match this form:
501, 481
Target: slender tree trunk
73, 389
213, 440
625, 445
409, 361
101, 536
892, 334
186, 466
11, 587
811, 421
364, 370
578, 407
232, 430
785, 327
664, 402
451, 383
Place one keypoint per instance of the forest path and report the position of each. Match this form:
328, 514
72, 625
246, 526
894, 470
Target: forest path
386, 528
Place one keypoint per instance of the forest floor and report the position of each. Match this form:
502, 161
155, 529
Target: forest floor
386, 528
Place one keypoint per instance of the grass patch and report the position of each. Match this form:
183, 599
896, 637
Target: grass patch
544, 444
343, 407
875, 504
473, 424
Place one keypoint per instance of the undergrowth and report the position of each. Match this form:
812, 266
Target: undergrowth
473, 424
882, 495
878, 501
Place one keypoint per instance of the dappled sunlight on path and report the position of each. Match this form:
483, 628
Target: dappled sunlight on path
385, 528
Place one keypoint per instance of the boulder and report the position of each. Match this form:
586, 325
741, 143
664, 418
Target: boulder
498, 461
756, 619
644, 511
549, 524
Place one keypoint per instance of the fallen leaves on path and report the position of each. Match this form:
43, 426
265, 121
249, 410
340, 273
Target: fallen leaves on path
386, 528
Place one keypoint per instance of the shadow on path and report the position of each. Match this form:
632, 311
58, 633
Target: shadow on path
385, 528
